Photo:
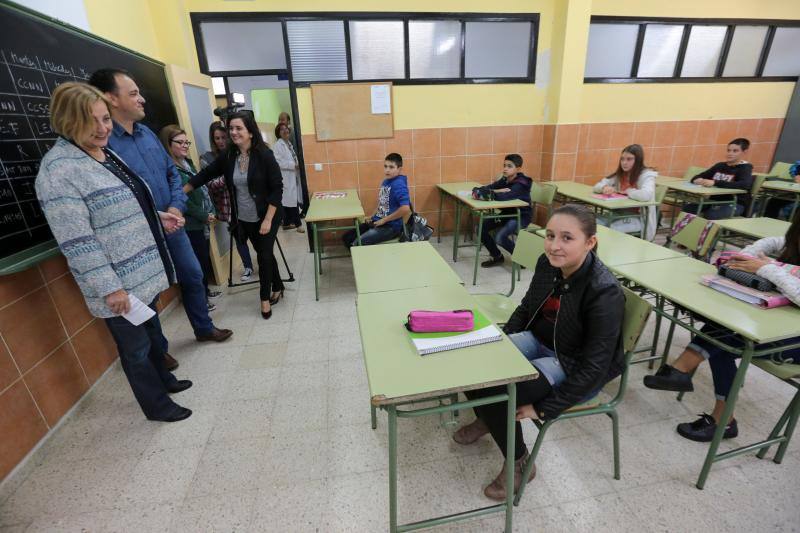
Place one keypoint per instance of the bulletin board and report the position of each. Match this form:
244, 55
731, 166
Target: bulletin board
344, 111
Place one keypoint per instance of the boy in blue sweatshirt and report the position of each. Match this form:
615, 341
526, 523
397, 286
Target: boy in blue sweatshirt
394, 205
513, 185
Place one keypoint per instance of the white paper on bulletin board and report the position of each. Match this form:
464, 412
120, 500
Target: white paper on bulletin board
381, 99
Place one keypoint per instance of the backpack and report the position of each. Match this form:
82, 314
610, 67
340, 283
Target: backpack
416, 229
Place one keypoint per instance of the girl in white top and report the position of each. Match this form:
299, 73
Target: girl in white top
290, 170
638, 182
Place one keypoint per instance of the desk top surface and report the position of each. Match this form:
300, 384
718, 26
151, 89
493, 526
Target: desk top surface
585, 194
324, 209
397, 373
759, 227
396, 266
462, 191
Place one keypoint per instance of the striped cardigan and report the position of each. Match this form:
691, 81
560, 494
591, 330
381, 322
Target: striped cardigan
100, 228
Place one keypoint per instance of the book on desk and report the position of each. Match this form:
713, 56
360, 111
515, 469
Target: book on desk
482, 332
763, 299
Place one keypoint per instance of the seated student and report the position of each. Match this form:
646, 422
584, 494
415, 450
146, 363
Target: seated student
636, 180
394, 204
785, 274
512, 185
733, 173
568, 326
777, 208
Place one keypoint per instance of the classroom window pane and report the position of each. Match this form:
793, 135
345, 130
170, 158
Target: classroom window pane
660, 50
377, 49
745, 51
497, 49
703, 51
434, 49
243, 45
610, 50
784, 54
317, 50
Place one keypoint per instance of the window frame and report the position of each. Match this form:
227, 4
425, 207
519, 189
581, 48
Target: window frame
687, 23
198, 18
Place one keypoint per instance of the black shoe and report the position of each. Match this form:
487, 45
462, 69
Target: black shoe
275, 299
213, 294
494, 261
702, 429
216, 335
179, 386
170, 362
668, 378
181, 413
266, 315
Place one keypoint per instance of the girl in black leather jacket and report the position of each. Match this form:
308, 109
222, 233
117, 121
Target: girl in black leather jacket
568, 326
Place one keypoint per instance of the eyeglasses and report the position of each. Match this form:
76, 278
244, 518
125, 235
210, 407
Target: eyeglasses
187, 144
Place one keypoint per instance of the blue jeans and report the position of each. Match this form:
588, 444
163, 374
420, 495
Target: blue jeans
506, 227
370, 235
715, 212
244, 250
141, 354
190, 278
540, 356
723, 363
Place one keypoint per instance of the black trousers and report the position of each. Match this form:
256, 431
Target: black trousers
292, 216
494, 414
200, 245
268, 274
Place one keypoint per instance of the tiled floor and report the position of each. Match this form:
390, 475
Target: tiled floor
280, 442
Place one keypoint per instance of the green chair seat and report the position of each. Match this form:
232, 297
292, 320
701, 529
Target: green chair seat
591, 403
533, 228
779, 370
496, 307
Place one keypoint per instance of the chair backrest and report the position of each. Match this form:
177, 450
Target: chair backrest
637, 312
543, 193
758, 181
690, 235
780, 170
692, 172
527, 250
661, 192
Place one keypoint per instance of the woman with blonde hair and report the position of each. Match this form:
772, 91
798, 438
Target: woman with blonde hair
104, 219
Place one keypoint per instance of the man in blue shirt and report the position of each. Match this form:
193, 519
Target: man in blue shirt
142, 151
394, 206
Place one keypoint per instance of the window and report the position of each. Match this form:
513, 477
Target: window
497, 49
784, 54
377, 49
610, 50
232, 46
745, 51
317, 49
434, 48
703, 51
627, 49
660, 50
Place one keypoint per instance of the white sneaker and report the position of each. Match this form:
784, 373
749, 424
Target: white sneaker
246, 274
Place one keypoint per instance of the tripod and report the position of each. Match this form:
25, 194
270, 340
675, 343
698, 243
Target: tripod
244, 283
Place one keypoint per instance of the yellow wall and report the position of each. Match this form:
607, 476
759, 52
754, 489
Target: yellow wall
125, 22
761, 9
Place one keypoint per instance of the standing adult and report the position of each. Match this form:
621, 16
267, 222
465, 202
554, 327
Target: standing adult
218, 140
108, 227
141, 150
255, 185
292, 190
286, 120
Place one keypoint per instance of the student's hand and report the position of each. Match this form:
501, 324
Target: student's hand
705, 182
265, 226
797, 179
118, 302
748, 264
170, 221
608, 189
526, 411
378, 223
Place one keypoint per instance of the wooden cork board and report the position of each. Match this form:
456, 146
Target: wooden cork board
344, 111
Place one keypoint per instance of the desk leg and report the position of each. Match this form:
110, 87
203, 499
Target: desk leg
455, 231
358, 231
393, 468
794, 208
511, 421
441, 205
730, 403
477, 248
316, 260
656, 331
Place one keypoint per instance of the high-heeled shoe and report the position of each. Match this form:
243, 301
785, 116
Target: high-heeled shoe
275, 299
266, 315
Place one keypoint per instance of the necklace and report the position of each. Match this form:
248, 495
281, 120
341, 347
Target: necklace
244, 160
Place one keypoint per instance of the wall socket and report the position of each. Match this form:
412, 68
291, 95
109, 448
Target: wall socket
318, 167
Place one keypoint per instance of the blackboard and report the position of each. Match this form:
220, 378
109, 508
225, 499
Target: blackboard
36, 55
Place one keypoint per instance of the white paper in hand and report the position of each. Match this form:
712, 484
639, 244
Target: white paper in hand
139, 312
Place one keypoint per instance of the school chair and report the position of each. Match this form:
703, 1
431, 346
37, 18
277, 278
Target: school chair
789, 373
637, 311
498, 307
694, 233
780, 170
542, 194
692, 172
758, 181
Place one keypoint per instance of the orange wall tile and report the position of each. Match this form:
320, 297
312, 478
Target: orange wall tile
426, 143
21, 426
454, 141
57, 383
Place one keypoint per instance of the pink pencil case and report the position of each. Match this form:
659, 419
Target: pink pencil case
420, 321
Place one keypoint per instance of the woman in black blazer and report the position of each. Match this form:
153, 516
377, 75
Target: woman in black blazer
254, 181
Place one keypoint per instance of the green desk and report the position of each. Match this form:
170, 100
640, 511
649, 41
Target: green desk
407, 265
743, 231
666, 180
323, 210
579, 192
782, 190
462, 194
398, 375
677, 281
683, 192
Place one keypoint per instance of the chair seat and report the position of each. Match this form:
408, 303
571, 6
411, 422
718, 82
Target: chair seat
497, 307
591, 403
780, 371
533, 227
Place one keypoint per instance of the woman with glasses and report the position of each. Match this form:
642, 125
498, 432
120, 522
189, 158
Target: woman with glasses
199, 209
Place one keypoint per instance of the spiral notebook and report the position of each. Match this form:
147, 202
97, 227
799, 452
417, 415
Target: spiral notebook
484, 331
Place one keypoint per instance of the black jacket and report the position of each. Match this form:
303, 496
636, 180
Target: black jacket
520, 190
730, 177
588, 328
264, 180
